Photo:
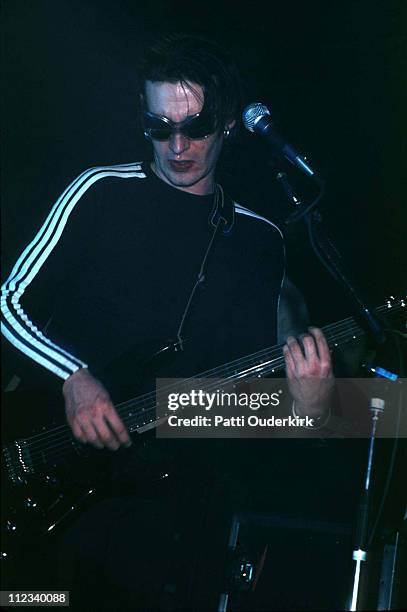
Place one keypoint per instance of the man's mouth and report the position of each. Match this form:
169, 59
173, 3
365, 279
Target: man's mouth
180, 165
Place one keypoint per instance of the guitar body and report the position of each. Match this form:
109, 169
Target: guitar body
48, 477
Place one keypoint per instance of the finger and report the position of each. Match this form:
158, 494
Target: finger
91, 435
322, 346
296, 355
289, 363
118, 426
105, 434
310, 348
78, 432
295, 349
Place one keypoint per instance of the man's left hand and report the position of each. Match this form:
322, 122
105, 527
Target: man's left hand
309, 372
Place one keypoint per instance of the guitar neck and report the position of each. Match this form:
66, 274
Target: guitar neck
29, 455
141, 410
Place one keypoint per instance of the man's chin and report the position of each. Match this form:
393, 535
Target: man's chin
182, 179
192, 181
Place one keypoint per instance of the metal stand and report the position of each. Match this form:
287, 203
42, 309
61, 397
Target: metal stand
359, 553
234, 532
331, 259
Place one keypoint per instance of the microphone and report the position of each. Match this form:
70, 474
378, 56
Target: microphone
257, 118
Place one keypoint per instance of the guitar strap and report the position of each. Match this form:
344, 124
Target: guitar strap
221, 218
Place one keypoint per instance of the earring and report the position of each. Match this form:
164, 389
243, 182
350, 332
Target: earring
226, 133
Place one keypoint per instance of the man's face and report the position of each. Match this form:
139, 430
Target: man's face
182, 162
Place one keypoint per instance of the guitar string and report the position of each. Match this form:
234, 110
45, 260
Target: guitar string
253, 359
355, 331
133, 419
130, 418
264, 370
57, 455
67, 432
127, 419
69, 446
39, 438
59, 450
268, 350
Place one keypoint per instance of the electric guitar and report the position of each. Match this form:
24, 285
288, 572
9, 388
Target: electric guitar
48, 475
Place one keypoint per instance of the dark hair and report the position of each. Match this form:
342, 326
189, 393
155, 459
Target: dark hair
194, 59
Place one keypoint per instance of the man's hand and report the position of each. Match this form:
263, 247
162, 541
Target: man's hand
91, 414
309, 372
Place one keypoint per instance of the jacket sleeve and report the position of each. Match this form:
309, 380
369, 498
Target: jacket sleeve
45, 263
31, 280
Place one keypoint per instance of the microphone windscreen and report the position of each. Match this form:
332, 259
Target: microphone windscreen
252, 113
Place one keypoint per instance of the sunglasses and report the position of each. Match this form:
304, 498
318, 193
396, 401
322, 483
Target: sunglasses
160, 128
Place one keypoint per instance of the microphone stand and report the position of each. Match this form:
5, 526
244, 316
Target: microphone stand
359, 552
328, 254
331, 259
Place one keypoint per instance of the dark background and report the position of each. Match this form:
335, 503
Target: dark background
334, 75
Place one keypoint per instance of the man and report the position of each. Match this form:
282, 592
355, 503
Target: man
141, 252
190, 101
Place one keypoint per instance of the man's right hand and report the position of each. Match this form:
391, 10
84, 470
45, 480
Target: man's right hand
91, 414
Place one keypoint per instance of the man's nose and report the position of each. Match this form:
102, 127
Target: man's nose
178, 143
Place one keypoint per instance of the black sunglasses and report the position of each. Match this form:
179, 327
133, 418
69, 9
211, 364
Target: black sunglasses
161, 128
